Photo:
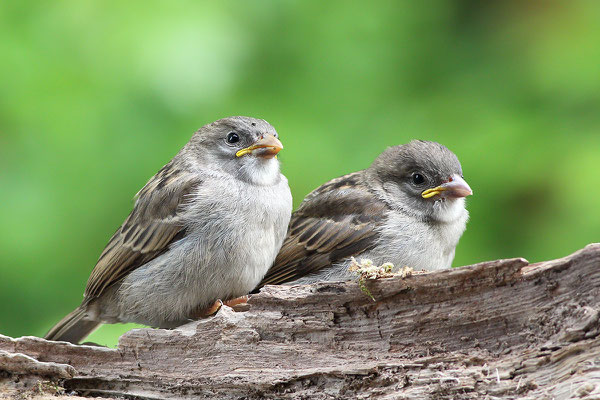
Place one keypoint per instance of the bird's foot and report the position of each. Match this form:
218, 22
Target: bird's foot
238, 304
208, 311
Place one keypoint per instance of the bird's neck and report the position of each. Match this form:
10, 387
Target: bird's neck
261, 172
449, 211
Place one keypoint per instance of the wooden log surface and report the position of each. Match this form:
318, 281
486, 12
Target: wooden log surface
502, 329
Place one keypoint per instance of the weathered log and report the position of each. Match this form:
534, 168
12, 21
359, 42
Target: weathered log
501, 329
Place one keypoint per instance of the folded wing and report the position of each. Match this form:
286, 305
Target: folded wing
336, 221
155, 222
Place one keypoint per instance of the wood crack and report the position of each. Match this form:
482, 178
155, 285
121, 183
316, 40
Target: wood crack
502, 329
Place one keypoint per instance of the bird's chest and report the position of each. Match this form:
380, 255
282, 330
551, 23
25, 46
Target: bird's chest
418, 245
232, 237
237, 234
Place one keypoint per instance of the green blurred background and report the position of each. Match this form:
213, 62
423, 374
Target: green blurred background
96, 96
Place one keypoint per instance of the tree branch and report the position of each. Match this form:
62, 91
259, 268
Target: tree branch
503, 329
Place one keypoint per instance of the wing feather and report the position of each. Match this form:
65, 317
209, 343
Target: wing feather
336, 221
155, 222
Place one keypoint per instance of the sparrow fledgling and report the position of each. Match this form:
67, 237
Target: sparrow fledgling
207, 226
407, 208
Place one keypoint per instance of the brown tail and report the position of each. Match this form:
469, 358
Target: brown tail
72, 328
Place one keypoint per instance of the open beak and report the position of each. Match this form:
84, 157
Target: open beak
454, 188
266, 147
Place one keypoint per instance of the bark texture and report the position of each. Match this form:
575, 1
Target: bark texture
502, 329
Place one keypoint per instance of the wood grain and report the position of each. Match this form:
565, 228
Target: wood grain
502, 329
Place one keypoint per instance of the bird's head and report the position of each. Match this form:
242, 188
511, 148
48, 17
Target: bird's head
241, 146
423, 178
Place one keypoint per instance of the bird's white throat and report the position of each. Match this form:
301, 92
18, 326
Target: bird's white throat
260, 171
449, 210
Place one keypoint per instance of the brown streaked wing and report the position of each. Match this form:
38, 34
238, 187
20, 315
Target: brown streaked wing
152, 226
335, 221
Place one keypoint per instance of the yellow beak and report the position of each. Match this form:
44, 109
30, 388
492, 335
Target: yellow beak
455, 187
266, 147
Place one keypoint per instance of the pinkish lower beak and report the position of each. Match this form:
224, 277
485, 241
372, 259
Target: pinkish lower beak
455, 188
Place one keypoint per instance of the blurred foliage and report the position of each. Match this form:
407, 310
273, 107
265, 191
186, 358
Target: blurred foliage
96, 96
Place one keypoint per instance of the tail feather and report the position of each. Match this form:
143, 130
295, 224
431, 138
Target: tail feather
73, 327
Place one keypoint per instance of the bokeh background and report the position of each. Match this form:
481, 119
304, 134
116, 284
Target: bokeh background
96, 96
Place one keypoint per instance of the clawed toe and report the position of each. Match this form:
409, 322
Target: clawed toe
207, 312
238, 304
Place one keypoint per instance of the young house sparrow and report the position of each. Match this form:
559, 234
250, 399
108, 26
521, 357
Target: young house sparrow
407, 208
207, 226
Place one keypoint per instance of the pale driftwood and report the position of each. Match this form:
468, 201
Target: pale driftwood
501, 329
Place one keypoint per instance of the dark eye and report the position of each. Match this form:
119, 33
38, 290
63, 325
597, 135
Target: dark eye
233, 137
418, 179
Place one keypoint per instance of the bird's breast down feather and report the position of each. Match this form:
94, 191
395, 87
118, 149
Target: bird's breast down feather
233, 234
420, 245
